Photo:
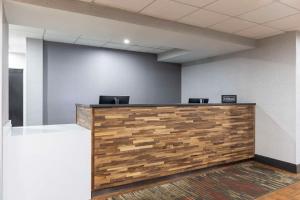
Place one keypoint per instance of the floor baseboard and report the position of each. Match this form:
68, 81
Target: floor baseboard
278, 163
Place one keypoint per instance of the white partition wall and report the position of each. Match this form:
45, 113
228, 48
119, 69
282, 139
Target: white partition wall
298, 98
34, 83
3, 86
17, 60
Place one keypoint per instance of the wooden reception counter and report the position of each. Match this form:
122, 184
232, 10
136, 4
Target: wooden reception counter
139, 142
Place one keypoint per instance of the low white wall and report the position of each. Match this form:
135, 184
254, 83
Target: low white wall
17, 60
266, 76
3, 86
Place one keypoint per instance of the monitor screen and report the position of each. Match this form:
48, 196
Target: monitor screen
194, 100
114, 100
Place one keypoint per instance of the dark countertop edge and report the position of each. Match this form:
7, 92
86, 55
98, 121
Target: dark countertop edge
157, 105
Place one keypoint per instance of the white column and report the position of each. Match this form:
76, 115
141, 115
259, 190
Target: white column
34, 82
298, 99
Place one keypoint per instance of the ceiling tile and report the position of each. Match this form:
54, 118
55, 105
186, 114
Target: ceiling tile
129, 5
136, 48
297, 29
287, 23
258, 32
60, 37
167, 9
232, 25
268, 13
98, 38
236, 7
197, 3
293, 3
203, 18
87, 1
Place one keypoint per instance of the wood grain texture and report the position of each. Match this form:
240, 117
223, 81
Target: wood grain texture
138, 143
84, 117
288, 193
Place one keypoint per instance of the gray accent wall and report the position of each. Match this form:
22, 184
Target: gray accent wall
79, 74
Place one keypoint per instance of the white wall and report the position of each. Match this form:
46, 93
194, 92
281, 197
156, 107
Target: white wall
298, 98
5, 69
3, 86
266, 76
17, 60
34, 82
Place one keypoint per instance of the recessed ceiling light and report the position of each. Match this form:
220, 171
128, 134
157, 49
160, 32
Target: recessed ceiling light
126, 41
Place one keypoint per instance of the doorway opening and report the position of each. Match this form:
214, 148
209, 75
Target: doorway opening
16, 97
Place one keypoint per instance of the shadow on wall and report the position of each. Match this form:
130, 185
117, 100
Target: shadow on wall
272, 140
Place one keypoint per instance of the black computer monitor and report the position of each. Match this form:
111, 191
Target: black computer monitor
194, 100
205, 100
198, 100
114, 100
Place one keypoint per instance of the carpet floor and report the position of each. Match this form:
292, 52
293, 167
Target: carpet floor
242, 181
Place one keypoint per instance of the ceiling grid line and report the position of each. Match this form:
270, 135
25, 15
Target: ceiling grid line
215, 25
288, 5
230, 16
178, 1
146, 6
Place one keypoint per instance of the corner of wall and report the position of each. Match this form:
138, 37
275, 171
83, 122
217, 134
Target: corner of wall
297, 97
3, 86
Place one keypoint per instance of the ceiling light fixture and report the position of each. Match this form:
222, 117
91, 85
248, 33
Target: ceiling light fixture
126, 41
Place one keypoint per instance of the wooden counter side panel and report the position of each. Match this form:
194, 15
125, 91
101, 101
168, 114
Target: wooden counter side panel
134, 144
84, 117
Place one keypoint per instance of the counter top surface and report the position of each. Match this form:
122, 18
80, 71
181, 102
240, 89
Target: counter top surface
157, 105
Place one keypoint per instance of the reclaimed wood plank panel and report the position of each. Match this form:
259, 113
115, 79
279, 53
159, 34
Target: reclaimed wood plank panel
84, 117
131, 144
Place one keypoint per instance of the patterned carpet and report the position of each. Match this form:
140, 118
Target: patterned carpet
237, 182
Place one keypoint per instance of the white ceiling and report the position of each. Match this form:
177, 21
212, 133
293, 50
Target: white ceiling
91, 23
104, 24
18, 35
83, 23
250, 18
